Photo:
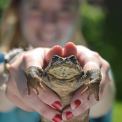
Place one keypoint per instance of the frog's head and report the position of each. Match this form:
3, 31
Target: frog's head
64, 68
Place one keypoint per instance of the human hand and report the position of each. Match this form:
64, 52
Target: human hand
46, 103
88, 60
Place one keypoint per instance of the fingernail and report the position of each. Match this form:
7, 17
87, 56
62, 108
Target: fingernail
76, 104
57, 118
57, 105
69, 115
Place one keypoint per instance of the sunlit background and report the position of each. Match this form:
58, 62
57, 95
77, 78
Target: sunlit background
102, 28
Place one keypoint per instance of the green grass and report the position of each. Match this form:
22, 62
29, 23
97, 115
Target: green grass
117, 112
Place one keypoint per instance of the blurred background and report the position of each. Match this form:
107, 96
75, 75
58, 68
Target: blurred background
102, 28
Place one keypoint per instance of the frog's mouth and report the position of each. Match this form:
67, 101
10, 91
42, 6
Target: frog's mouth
64, 86
64, 72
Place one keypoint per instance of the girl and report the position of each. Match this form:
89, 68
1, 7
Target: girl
29, 24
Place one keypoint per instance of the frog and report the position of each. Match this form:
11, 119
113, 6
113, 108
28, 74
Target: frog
64, 76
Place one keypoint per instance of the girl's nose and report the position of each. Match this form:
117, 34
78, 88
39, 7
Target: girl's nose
49, 17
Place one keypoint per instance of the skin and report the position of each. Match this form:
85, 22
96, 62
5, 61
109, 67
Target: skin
32, 26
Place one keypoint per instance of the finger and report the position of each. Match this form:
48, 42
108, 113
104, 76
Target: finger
90, 65
50, 98
18, 102
55, 50
45, 94
17, 68
67, 114
14, 96
40, 107
105, 68
79, 100
33, 58
70, 49
20, 81
80, 113
85, 56
91, 61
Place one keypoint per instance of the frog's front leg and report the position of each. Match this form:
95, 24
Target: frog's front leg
93, 78
34, 78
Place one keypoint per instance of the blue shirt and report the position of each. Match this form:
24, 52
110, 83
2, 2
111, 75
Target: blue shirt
18, 115
2, 57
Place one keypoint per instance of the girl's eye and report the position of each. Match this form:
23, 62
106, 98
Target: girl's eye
34, 7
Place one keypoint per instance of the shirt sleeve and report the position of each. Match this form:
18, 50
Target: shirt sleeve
2, 57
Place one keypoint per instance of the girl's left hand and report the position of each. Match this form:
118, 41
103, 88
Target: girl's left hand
88, 60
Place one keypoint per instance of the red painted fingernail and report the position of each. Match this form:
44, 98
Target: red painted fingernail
57, 105
57, 118
77, 103
69, 115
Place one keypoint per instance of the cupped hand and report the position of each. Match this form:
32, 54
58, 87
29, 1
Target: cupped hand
46, 103
89, 60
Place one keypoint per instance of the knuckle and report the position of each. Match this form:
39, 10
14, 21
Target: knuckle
106, 64
24, 56
21, 56
43, 111
11, 68
24, 94
9, 94
96, 54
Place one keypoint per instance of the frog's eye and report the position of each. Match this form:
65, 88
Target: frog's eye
73, 59
55, 58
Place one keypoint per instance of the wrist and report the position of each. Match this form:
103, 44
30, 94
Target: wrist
3, 73
5, 103
5, 59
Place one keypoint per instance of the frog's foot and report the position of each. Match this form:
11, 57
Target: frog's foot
94, 89
33, 75
92, 85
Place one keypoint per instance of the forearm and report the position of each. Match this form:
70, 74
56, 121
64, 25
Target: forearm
5, 104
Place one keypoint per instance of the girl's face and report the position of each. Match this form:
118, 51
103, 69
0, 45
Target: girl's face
48, 22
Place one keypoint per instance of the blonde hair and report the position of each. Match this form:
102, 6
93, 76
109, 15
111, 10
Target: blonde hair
10, 33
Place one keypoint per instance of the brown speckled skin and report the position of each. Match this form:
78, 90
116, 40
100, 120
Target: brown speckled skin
64, 76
